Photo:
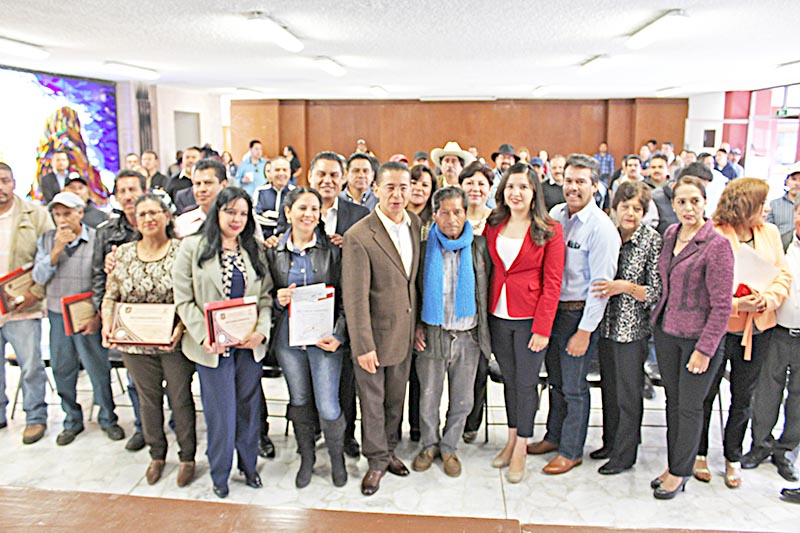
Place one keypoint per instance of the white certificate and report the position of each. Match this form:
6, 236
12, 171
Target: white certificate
752, 270
311, 314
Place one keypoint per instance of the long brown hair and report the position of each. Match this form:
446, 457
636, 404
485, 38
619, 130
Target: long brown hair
541, 223
742, 199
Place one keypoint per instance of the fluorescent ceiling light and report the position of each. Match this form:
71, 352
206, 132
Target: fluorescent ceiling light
596, 62
666, 92
378, 92
131, 71
330, 66
244, 92
664, 26
20, 49
540, 91
275, 32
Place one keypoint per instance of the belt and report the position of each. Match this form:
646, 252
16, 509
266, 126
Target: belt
793, 332
571, 306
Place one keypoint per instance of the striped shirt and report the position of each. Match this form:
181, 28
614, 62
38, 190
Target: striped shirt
451, 260
782, 214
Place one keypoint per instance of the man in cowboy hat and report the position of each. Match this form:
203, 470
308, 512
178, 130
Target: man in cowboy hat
503, 158
452, 160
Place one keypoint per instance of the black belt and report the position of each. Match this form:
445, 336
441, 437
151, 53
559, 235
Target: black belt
792, 332
571, 306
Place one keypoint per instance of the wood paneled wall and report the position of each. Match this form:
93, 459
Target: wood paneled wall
401, 126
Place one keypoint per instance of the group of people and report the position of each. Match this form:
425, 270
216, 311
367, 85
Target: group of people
436, 268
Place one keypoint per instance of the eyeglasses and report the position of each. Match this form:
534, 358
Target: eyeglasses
145, 214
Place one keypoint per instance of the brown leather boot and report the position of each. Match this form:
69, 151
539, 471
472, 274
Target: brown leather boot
185, 473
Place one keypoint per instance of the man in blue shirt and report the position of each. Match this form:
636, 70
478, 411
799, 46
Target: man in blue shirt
593, 245
606, 162
723, 165
250, 174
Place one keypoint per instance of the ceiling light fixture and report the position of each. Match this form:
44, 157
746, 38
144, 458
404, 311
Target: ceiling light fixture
378, 92
596, 62
665, 25
330, 66
20, 49
276, 32
130, 71
666, 92
541, 90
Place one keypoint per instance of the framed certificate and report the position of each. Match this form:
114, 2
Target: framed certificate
78, 311
311, 314
229, 322
142, 324
14, 286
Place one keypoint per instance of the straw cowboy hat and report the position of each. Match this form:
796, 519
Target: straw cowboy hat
451, 148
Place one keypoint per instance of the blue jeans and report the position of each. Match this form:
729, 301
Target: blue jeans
311, 373
568, 418
25, 337
67, 354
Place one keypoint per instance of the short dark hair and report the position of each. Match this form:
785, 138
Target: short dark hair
661, 156
631, 156
668, 143
584, 161
125, 173
474, 168
7, 168
219, 168
629, 190
703, 155
150, 152
698, 170
446, 193
723, 150
327, 156
195, 148
388, 166
130, 154
652, 141
360, 155
254, 142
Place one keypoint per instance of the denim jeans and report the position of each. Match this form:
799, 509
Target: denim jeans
25, 337
67, 354
456, 357
311, 374
568, 418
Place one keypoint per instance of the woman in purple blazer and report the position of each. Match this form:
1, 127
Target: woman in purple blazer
690, 319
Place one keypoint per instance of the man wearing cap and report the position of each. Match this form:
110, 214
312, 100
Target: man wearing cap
21, 225
360, 173
451, 160
503, 158
421, 158
63, 265
734, 157
92, 216
781, 213
53, 181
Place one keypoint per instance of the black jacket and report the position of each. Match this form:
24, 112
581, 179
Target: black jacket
114, 232
662, 197
326, 260
49, 187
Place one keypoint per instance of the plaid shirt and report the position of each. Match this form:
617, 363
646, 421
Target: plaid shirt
606, 163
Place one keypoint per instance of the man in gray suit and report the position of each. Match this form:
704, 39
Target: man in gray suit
380, 263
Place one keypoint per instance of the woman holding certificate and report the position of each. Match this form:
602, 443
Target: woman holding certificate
740, 218
222, 266
142, 278
305, 257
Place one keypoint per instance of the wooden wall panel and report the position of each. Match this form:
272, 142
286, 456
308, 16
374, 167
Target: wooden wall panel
254, 119
558, 126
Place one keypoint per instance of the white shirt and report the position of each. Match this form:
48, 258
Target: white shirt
331, 218
714, 191
507, 249
6, 230
788, 314
401, 237
189, 222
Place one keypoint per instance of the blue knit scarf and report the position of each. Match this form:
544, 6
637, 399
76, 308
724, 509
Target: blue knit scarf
433, 276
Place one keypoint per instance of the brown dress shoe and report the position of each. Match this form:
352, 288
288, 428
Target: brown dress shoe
33, 433
561, 465
371, 482
540, 447
424, 459
185, 473
452, 465
397, 467
154, 471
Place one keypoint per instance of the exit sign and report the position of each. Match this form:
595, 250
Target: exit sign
782, 112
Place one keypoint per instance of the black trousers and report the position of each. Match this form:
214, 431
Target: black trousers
685, 394
475, 417
622, 373
347, 394
520, 367
743, 381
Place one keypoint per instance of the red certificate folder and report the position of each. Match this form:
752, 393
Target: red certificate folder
14, 285
78, 309
213, 312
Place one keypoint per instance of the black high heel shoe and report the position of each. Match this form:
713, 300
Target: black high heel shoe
252, 480
655, 483
662, 494
221, 491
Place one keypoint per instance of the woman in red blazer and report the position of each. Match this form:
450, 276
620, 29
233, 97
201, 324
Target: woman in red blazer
527, 249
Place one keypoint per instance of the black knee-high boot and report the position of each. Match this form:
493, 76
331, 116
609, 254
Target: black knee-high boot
334, 439
303, 417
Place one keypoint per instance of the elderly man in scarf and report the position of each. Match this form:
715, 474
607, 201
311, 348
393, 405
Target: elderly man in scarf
453, 330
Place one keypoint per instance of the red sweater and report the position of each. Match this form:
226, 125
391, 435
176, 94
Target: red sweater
533, 282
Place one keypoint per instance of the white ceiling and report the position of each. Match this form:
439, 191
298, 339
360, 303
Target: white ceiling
417, 48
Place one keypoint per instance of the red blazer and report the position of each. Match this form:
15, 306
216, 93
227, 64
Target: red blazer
533, 282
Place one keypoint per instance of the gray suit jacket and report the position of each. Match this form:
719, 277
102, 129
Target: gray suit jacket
380, 301
196, 285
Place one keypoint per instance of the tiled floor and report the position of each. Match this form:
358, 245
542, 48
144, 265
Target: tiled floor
581, 497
